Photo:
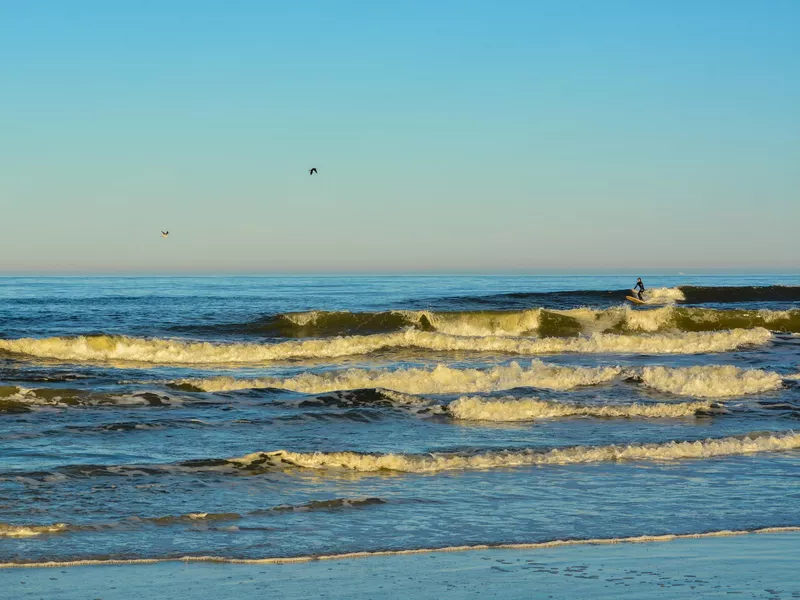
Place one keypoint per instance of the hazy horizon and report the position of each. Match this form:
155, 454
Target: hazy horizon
449, 138
499, 273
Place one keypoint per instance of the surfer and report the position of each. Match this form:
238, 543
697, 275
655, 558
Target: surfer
640, 286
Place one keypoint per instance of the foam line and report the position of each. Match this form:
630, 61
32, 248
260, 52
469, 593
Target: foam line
643, 539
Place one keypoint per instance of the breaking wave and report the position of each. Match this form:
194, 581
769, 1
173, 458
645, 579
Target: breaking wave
435, 462
711, 381
439, 380
474, 408
539, 322
164, 351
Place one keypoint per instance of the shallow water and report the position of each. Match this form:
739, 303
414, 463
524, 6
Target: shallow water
141, 417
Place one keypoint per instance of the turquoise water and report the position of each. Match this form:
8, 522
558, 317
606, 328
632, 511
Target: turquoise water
143, 417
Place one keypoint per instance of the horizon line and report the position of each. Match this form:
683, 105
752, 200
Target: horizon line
575, 271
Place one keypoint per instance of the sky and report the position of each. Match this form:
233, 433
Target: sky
448, 135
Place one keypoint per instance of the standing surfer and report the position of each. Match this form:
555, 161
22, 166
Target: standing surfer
640, 286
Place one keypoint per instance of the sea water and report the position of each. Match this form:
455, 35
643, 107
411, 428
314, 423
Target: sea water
272, 417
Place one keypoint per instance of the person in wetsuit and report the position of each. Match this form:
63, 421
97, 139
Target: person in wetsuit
640, 287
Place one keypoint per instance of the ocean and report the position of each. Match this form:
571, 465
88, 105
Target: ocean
283, 417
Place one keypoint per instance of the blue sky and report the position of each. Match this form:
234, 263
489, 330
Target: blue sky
455, 136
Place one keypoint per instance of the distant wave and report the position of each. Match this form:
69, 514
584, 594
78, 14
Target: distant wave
163, 351
691, 295
474, 408
538, 322
727, 294
710, 381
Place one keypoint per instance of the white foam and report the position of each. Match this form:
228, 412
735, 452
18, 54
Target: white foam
440, 380
474, 408
435, 462
710, 381
24, 531
162, 351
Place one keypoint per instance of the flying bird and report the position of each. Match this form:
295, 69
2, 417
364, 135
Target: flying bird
165, 234
312, 170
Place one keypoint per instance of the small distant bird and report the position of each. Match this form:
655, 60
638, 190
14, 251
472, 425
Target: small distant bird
165, 234
312, 170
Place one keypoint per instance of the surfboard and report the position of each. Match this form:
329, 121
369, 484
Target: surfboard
635, 300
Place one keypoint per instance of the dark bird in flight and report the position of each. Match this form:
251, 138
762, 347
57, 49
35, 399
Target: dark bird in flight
164, 234
312, 170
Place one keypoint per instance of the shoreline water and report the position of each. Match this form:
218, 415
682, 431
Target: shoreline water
644, 539
711, 566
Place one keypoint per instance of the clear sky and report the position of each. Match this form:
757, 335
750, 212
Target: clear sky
449, 135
